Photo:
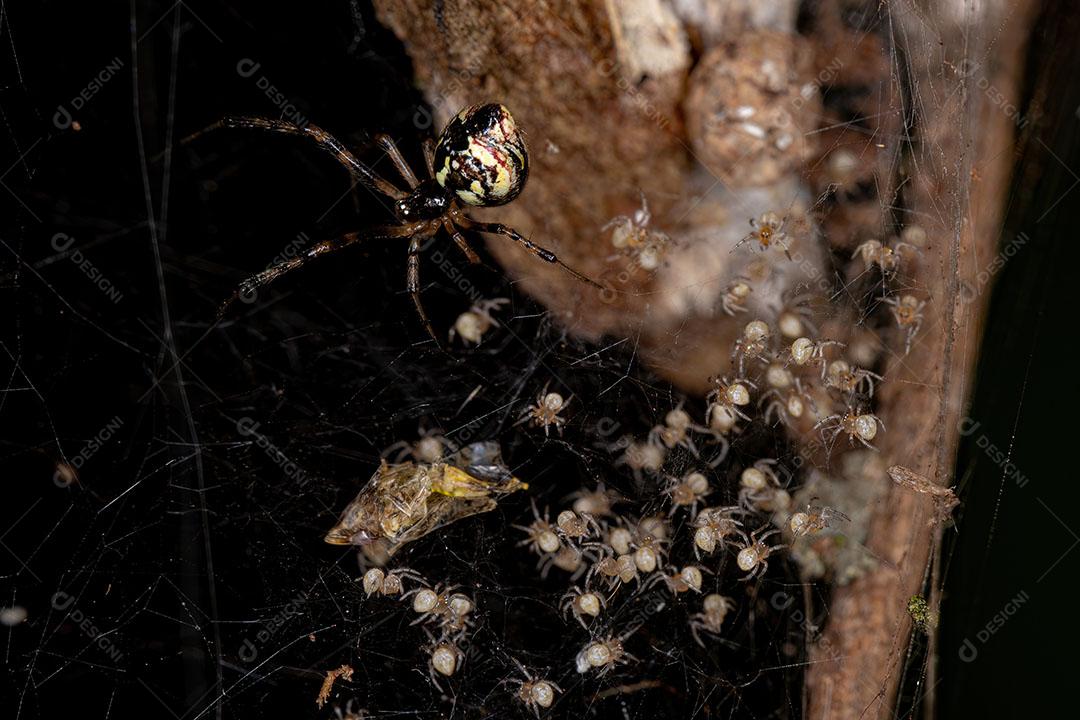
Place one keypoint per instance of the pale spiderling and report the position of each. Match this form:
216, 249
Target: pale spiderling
445, 660
886, 257
796, 316
658, 526
687, 491
648, 552
908, 312
734, 298
430, 448
535, 693
914, 235
768, 230
857, 424
753, 558
715, 609
788, 405
457, 619
675, 430
545, 412
387, 584
689, 578
540, 534
616, 570
729, 395
581, 603
430, 603
472, 324
814, 519
757, 483
778, 377
713, 526
840, 375
721, 421
568, 559
753, 344
620, 539
633, 237
575, 528
803, 351
642, 456
597, 502
602, 655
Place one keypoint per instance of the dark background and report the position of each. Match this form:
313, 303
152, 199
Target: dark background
182, 540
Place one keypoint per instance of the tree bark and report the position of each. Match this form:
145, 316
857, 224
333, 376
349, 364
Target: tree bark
960, 173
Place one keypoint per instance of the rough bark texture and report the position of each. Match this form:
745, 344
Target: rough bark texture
603, 88
960, 178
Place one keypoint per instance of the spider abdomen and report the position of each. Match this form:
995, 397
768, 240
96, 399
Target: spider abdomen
481, 156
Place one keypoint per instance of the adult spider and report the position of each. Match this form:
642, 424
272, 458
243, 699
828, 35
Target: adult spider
479, 160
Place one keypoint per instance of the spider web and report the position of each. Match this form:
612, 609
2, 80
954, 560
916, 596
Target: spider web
171, 475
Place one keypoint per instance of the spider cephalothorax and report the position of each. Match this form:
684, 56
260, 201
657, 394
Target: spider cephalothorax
480, 160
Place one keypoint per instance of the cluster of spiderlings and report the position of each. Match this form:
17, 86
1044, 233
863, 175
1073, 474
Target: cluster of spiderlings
888, 259
796, 384
608, 556
672, 553
445, 613
675, 551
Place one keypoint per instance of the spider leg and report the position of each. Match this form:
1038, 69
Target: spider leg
429, 156
739, 244
388, 146
325, 140
267, 276
542, 253
787, 252
864, 442
413, 285
460, 241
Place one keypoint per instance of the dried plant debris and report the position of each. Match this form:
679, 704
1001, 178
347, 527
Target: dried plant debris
345, 671
945, 500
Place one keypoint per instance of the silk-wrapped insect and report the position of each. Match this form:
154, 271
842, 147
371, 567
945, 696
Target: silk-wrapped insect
404, 502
